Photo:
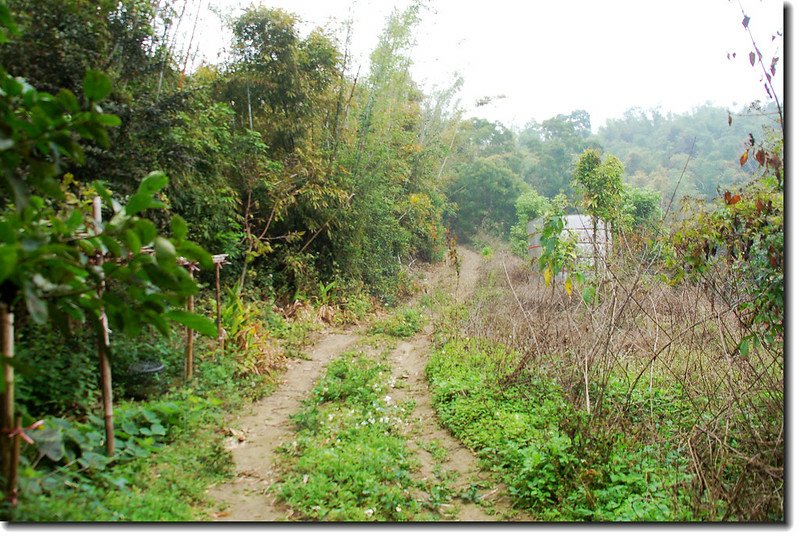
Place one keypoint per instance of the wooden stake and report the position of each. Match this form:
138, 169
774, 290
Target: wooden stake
13, 478
219, 337
107, 388
190, 335
7, 418
102, 345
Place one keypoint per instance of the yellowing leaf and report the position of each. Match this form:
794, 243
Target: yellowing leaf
547, 276
568, 286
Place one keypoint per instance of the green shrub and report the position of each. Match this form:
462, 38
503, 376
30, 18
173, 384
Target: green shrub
58, 373
404, 323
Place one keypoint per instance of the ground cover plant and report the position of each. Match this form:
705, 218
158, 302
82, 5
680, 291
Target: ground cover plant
169, 451
529, 433
349, 460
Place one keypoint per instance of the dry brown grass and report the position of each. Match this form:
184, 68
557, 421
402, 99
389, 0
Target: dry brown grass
644, 334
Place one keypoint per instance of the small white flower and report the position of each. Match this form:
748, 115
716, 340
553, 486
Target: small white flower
399, 509
369, 512
387, 399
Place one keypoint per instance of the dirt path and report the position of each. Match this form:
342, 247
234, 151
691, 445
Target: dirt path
443, 460
266, 427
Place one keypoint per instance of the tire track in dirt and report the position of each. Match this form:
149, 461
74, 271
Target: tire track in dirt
408, 362
268, 425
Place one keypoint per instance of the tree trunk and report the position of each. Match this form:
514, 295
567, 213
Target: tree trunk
595, 248
102, 345
107, 388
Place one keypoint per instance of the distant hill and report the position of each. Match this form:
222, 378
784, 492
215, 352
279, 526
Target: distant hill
654, 147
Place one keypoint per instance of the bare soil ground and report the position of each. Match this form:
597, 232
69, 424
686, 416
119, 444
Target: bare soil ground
267, 424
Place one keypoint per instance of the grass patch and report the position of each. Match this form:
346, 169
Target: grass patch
349, 461
403, 323
435, 449
556, 465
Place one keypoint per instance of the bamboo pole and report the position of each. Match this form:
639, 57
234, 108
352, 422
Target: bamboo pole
7, 418
102, 345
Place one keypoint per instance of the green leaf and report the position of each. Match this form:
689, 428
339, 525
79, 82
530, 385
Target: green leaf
743, 348
588, 295
96, 461
7, 26
132, 241
129, 427
75, 219
198, 323
96, 85
195, 252
112, 245
164, 250
141, 202
153, 183
108, 120
146, 231
8, 261
158, 429
49, 442
68, 101
179, 228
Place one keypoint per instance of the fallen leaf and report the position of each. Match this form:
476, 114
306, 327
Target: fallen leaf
744, 157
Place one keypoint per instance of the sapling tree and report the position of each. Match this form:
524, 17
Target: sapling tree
58, 263
600, 184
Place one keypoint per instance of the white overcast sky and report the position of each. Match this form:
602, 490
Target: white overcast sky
552, 57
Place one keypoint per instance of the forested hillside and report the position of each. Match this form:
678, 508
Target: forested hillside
278, 157
251, 288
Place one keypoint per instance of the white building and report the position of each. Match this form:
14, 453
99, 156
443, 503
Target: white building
582, 226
